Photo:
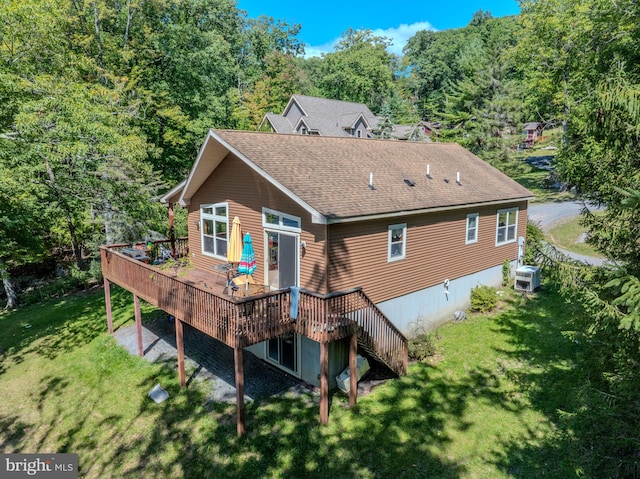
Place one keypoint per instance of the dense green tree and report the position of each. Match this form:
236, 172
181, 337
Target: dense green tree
271, 92
483, 109
360, 70
585, 66
22, 225
104, 99
262, 37
82, 146
432, 59
310, 71
267, 71
385, 126
588, 54
178, 58
76, 139
558, 53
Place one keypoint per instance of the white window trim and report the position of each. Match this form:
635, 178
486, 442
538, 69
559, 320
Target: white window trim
266, 248
280, 226
466, 235
509, 211
297, 373
215, 219
404, 242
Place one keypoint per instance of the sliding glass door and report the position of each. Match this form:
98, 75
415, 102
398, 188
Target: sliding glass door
282, 259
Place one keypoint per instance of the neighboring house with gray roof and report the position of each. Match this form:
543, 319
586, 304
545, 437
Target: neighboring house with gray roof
416, 225
308, 115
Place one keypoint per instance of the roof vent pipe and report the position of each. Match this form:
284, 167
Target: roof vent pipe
429, 171
458, 178
371, 182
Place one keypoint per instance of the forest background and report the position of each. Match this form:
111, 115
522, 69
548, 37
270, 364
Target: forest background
104, 104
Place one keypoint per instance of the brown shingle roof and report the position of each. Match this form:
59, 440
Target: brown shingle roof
332, 174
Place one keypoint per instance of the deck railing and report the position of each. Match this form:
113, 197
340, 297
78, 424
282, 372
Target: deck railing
179, 248
348, 310
253, 319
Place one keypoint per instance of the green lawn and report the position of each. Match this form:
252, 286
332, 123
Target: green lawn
570, 236
490, 406
533, 179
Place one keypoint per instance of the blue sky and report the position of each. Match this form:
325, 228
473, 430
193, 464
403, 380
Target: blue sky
323, 22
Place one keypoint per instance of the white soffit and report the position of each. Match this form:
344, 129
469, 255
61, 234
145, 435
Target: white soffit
174, 194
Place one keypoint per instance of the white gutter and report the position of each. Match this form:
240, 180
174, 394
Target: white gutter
353, 219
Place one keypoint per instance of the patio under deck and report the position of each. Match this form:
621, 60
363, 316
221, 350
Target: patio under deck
199, 298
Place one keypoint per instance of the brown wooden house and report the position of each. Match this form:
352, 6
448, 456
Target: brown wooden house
532, 133
373, 241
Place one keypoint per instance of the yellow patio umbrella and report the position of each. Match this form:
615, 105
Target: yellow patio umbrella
234, 252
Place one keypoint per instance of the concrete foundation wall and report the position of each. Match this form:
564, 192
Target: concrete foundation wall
309, 357
425, 310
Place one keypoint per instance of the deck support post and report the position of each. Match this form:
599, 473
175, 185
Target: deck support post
324, 382
107, 303
238, 360
353, 370
138, 316
172, 231
180, 348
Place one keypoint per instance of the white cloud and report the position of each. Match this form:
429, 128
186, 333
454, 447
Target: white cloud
398, 36
319, 50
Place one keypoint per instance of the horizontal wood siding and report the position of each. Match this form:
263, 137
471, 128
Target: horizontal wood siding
435, 251
247, 193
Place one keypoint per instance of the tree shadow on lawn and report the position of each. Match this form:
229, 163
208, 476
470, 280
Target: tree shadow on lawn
380, 438
398, 431
61, 325
542, 361
12, 431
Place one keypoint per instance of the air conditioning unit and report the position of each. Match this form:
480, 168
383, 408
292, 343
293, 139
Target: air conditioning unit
527, 278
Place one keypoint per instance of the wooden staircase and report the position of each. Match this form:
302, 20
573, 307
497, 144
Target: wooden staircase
377, 335
394, 351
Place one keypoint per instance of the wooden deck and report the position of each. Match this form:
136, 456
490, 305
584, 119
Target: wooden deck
200, 299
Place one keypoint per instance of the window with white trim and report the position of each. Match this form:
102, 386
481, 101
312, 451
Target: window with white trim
214, 229
506, 226
397, 241
281, 221
472, 228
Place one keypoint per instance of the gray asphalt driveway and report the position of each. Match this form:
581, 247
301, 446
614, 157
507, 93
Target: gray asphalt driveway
547, 215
